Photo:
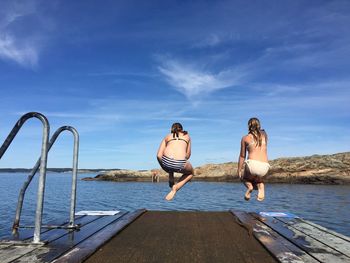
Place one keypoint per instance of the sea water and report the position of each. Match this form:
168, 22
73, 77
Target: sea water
326, 205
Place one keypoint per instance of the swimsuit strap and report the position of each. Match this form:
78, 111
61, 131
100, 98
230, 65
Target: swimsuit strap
252, 141
177, 139
263, 140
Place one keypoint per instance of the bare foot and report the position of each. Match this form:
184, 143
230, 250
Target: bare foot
171, 194
260, 198
261, 192
247, 194
250, 188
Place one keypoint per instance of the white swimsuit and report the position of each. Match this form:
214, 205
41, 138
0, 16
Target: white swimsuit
257, 168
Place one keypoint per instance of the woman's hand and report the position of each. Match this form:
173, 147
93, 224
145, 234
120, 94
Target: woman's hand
161, 151
241, 158
240, 176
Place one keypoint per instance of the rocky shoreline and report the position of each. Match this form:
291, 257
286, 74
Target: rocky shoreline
54, 170
315, 169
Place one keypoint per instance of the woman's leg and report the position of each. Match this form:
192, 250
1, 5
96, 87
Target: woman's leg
171, 179
258, 181
248, 182
261, 192
187, 176
250, 188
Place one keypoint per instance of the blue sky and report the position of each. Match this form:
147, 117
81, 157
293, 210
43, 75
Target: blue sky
121, 72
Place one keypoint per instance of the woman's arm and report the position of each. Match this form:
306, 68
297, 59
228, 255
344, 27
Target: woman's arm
241, 158
161, 151
188, 150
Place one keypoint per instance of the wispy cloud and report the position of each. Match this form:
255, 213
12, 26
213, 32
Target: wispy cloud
209, 41
121, 74
194, 82
219, 63
102, 116
21, 33
25, 54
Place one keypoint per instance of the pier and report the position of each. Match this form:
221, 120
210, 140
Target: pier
180, 236
159, 236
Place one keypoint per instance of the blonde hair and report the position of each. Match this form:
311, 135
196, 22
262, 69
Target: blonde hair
255, 130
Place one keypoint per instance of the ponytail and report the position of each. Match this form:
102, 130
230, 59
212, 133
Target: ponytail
256, 131
176, 128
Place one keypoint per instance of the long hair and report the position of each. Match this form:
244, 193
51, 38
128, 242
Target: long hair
176, 128
254, 128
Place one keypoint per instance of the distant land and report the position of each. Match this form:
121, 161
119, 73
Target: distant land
54, 170
315, 169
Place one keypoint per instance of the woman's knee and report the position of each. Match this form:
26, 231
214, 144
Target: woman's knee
188, 169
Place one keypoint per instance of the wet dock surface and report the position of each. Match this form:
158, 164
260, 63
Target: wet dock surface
183, 237
180, 236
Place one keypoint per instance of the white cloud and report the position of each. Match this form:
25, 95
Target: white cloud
25, 54
121, 74
210, 41
193, 82
102, 116
21, 28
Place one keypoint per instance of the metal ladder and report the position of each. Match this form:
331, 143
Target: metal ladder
42, 164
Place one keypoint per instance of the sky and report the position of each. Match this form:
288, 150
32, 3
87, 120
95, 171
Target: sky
121, 72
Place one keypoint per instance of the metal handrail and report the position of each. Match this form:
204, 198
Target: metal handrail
43, 163
35, 169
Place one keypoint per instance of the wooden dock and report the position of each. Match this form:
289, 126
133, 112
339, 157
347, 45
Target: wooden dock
177, 236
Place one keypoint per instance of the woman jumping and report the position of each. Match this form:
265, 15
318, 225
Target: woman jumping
256, 166
173, 154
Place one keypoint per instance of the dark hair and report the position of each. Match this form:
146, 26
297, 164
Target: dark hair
255, 130
176, 128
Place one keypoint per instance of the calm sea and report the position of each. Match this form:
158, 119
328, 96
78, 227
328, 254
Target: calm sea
328, 206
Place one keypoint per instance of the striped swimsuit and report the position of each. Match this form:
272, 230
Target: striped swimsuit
173, 165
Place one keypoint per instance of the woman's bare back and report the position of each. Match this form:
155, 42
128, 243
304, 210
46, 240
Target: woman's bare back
176, 147
256, 152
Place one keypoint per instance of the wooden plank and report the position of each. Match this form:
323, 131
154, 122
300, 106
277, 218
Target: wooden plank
54, 234
278, 246
59, 246
34, 256
327, 230
25, 246
51, 234
4, 245
48, 235
313, 247
326, 238
27, 233
21, 235
13, 252
83, 250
